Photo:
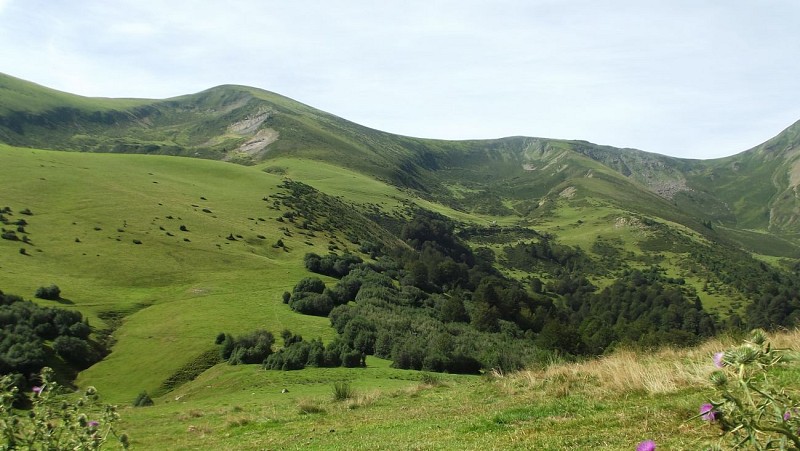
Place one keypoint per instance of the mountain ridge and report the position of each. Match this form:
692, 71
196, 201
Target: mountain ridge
405, 253
249, 125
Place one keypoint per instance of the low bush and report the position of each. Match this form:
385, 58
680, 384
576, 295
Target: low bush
10, 235
52, 293
143, 400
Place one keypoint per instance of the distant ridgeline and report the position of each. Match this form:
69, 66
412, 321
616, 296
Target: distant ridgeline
751, 191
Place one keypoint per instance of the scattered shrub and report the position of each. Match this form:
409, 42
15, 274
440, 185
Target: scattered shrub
228, 343
220, 338
10, 235
312, 303
289, 338
52, 293
143, 400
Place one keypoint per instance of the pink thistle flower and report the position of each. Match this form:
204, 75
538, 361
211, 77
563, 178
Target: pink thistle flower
647, 445
719, 361
93, 424
36, 389
707, 412
787, 416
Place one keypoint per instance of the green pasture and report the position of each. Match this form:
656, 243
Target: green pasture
87, 211
245, 408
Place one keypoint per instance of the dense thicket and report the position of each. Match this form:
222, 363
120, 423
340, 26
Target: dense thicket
544, 254
645, 308
29, 334
438, 306
332, 265
774, 294
254, 347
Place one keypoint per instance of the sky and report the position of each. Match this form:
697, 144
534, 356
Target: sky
691, 79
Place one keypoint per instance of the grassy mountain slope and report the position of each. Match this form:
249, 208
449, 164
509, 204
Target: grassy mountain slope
176, 289
248, 125
760, 186
173, 292
163, 253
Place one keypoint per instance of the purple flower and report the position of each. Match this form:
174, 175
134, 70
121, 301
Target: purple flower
718, 359
93, 424
647, 445
707, 412
787, 416
36, 389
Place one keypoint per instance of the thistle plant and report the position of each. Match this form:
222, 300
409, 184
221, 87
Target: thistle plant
750, 409
55, 419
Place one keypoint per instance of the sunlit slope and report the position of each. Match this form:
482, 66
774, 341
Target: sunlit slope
754, 190
176, 250
758, 187
178, 288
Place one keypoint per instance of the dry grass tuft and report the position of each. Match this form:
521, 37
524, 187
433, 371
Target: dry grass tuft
362, 400
194, 413
626, 371
307, 407
238, 422
199, 430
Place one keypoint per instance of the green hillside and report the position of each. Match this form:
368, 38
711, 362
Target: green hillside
248, 125
484, 256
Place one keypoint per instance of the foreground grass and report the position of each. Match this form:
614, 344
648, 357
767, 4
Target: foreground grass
609, 403
462, 413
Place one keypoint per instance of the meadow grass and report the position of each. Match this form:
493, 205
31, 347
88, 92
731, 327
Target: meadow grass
88, 210
609, 403
337, 181
176, 295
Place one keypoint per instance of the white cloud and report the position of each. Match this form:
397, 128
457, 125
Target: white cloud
683, 78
